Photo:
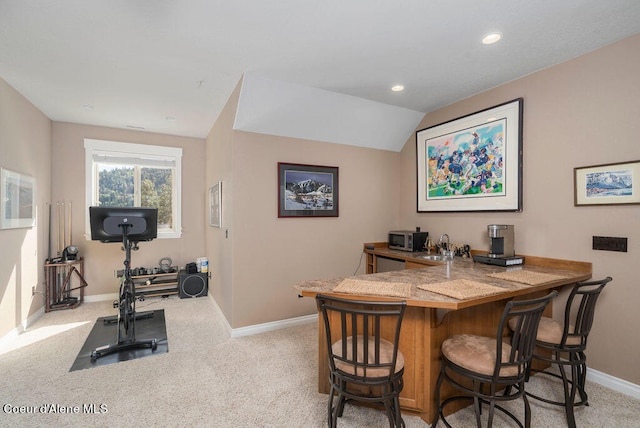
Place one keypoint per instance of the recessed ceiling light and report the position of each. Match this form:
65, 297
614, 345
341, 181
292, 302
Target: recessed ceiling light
397, 88
170, 119
87, 106
491, 38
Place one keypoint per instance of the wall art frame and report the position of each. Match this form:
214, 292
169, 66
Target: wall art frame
307, 190
472, 163
17, 200
607, 184
215, 205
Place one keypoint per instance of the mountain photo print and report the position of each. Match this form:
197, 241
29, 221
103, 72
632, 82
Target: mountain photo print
610, 184
307, 190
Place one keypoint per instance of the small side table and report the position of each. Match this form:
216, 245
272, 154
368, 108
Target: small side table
59, 279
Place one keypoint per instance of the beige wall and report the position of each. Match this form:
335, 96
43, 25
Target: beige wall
25, 135
583, 112
271, 254
68, 177
219, 241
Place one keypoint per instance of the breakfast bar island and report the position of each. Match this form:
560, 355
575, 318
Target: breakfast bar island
443, 298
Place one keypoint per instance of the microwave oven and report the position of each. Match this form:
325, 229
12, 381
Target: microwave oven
407, 240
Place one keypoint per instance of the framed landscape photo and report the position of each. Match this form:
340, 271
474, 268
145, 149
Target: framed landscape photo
609, 184
307, 190
472, 163
215, 205
18, 199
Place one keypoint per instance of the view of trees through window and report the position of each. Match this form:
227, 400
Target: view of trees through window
117, 187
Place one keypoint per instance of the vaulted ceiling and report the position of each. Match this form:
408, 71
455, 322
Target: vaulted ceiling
169, 66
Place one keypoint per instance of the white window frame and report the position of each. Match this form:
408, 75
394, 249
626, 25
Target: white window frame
95, 148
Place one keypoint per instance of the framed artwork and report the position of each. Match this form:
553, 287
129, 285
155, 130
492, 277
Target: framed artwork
472, 163
215, 205
609, 184
18, 198
307, 190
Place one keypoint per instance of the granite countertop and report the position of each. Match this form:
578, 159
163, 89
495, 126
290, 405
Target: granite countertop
459, 269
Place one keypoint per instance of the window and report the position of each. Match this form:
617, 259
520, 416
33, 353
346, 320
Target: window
135, 175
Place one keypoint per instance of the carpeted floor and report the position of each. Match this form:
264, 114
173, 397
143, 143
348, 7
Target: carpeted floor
208, 379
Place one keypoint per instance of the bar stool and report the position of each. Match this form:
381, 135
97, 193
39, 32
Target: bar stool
481, 366
359, 357
570, 339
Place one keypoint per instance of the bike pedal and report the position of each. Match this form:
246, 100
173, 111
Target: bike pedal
115, 304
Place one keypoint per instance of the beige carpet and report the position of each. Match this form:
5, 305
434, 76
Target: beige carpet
208, 379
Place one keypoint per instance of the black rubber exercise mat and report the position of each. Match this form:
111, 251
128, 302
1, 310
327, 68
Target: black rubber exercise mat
107, 334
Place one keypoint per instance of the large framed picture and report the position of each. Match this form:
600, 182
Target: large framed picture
18, 199
215, 205
307, 190
472, 163
609, 184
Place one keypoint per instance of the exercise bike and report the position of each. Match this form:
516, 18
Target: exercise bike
133, 224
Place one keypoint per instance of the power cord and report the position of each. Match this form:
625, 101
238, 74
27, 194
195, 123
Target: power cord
359, 263
150, 303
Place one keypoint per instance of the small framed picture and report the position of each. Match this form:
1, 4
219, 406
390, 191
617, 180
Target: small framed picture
307, 190
17, 200
608, 184
215, 205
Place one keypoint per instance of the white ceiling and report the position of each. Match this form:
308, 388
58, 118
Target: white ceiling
273, 107
169, 66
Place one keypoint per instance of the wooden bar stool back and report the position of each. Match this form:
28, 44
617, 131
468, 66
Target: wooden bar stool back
363, 365
490, 370
569, 339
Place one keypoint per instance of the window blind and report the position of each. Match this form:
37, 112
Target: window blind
124, 159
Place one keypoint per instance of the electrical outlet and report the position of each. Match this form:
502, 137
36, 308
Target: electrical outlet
33, 290
609, 243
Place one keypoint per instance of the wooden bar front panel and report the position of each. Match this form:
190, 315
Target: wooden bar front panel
412, 343
423, 331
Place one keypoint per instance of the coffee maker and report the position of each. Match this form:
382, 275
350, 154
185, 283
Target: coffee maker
501, 249
501, 236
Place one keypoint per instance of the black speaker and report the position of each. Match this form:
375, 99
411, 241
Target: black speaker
192, 284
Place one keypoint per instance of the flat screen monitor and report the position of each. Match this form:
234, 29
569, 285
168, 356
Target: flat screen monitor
108, 223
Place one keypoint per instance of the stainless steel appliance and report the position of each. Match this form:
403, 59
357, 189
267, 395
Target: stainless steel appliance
501, 249
407, 240
385, 264
501, 236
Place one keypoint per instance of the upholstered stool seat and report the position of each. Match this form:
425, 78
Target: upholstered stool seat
477, 354
490, 370
551, 331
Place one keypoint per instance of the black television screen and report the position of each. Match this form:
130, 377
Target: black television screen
107, 223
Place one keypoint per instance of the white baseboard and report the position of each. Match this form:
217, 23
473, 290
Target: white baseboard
614, 383
262, 328
274, 325
219, 311
33, 318
22, 327
101, 297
